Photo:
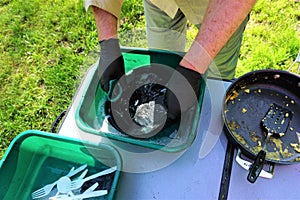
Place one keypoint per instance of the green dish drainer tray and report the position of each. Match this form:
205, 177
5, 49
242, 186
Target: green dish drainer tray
90, 113
36, 158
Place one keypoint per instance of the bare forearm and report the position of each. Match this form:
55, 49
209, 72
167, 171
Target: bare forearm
221, 20
106, 24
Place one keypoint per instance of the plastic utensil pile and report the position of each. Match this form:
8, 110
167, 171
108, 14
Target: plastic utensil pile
67, 189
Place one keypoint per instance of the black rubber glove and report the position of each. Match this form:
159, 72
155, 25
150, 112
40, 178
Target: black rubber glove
111, 64
185, 87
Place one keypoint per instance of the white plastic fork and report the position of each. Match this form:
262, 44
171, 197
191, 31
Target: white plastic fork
78, 183
82, 175
47, 188
43, 191
71, 195
91, 189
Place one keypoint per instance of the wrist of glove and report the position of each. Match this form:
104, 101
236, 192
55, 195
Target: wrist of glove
183, 93
111, 63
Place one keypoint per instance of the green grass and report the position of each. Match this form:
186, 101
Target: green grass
45, 45
272, 37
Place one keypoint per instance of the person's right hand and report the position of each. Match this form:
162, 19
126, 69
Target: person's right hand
184, 93
111, 64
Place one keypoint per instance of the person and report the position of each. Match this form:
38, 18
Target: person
221, 25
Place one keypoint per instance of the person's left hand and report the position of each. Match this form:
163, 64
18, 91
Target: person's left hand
185, 87
111, 64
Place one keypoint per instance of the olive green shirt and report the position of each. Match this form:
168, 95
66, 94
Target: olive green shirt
193, 9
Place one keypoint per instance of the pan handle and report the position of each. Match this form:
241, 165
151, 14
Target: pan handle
247, 165
257, 166
294, 63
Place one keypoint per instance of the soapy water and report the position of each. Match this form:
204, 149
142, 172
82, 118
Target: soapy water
147, 110
102, 124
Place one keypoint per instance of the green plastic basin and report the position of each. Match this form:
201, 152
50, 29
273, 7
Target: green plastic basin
90, 113
36, 158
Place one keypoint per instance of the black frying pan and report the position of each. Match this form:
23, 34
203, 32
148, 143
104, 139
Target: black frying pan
247, 101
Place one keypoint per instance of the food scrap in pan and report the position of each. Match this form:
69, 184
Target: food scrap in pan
296, 146
232, 96
233, 125
276, 76
259, 90
240, 139
255, 138
247, 90
292, 101
275, 155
